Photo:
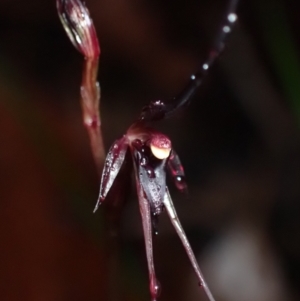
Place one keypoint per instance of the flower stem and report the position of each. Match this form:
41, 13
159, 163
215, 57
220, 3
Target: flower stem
90, 104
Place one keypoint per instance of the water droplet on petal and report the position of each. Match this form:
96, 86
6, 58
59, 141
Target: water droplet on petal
232, 17
226, 29
143, 161
150, 172
155, 288
155, 223
205, 66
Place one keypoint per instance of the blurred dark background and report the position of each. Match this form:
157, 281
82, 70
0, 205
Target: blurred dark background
238, 140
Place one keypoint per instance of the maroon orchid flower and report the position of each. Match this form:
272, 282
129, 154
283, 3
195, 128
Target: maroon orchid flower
151, 152
152, 156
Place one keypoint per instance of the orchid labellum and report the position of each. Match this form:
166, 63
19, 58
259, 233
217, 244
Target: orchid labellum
151, 152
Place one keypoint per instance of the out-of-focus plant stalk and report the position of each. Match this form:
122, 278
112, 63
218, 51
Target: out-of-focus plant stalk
80, 29
281, 46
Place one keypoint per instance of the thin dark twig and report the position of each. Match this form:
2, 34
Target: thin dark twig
159, 109
196, 79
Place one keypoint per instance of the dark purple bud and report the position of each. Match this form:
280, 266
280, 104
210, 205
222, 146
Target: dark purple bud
79, 26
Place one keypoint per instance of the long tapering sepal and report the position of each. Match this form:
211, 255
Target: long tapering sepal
112, 166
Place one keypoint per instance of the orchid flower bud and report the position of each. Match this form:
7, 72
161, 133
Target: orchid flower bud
79, 26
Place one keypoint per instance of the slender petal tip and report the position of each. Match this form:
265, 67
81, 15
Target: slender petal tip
79, 26
97, 206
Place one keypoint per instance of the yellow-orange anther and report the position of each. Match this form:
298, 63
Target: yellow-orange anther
160, 146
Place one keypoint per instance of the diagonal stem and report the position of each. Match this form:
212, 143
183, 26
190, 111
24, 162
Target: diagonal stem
178, 227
